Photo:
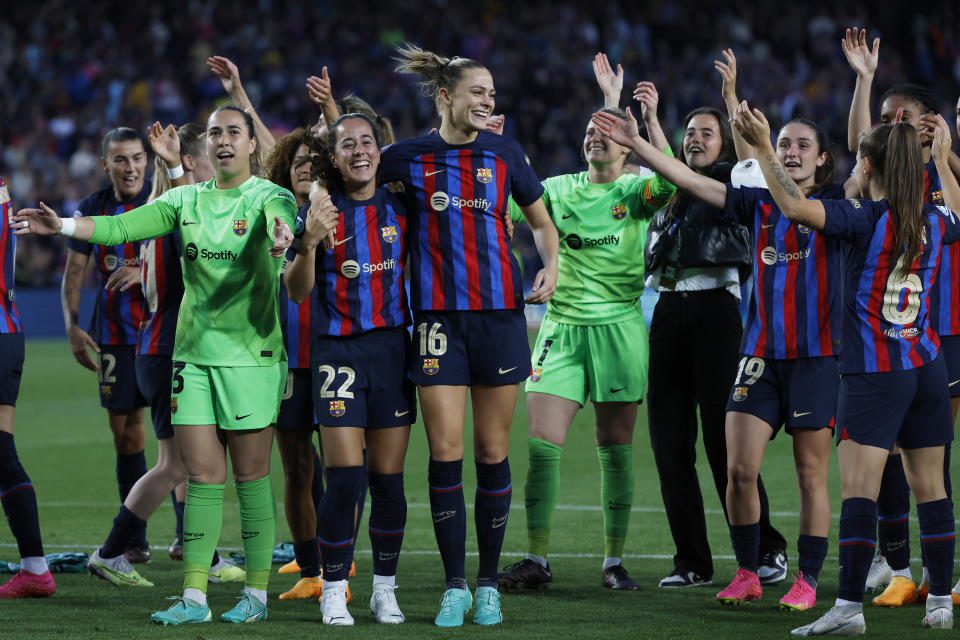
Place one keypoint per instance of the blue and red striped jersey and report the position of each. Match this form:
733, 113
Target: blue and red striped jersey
161, 278
360, 281
886, 302
9, 318
295, 324
945, 295
795, 309
117, 314
456, 195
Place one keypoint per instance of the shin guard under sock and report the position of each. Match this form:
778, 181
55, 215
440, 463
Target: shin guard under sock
937, 537
449, 514
202, 519
893, 514
388, 519
258, 522
616, 494
858, 542
491, 511
540, 493
336, 521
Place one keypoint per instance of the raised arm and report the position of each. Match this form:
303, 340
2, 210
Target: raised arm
941, 156
548, 246
646, 94
320, 93
728, 89
863, 60
611, 84
229, 76
166, 145
626, 133
755, 130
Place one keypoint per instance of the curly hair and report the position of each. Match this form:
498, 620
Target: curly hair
277, 166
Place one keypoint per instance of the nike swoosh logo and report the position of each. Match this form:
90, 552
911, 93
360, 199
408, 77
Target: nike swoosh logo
340, 242
443, 517
497, 525
503, 371
433, 173
189, 222
242, 417
400, 414
566, 216
953, 383
246, 535
767, 226
612, 390
800, 415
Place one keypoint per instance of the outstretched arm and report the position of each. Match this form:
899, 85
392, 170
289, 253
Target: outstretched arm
148, 221
755, 130
863, 61
229, 76
626, 133
728, 89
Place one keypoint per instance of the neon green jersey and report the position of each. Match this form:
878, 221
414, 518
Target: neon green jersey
603, 231
229, 314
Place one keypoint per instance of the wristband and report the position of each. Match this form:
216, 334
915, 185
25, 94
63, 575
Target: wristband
176, 172
68, 227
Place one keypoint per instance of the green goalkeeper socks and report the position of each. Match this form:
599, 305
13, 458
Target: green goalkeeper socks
258, 527
616, 494
540, 491
202, 515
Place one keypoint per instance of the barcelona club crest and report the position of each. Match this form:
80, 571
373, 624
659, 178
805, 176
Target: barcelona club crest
431, 366
106, 390
389, 234
619, 212
484, 175
338, 408
173, 404
535, 375
936, 197
240, 227
740, 393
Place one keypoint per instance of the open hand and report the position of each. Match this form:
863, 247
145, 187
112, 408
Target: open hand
752, 125
863, 60
610, 83
228, 72
122, 279
41, 222
165, 143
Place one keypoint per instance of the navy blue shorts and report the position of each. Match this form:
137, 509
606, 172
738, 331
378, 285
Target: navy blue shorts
908, 408
361, 381
154, 377
950, 349
798, 394
11, 367
117, 378
296, 407
470, 347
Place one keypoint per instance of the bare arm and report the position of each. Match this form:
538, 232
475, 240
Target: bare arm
863, 61
611, 84
70, 289
728, 89
229, 76
322, 218
942, 156
626, 133
300, 275
320, 92
548, 245
755, 130
646, 94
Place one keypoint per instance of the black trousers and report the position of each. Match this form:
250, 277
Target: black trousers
694, 343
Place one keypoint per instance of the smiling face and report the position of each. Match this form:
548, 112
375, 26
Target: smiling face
470, 104
300, 174
799, 152
356, 154
702, 141
599, 150
229, 145
125, 163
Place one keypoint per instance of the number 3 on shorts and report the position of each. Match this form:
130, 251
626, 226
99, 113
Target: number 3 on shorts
330, 375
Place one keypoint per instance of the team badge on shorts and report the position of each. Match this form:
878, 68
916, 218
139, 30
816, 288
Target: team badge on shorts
740, 393
484, 175
106, 390
619, 212
240, 227
535, 375
431, 366
338, 408
389, 234
173, 404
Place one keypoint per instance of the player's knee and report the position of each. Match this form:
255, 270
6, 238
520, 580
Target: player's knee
298, 472
741, 476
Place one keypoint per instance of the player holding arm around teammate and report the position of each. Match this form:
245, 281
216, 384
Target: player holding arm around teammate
229, 361
466, 297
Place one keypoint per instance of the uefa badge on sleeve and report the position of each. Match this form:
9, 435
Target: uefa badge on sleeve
619, 212
484, 175
740, 393
431, 366
240, 227
389, 234
338, 408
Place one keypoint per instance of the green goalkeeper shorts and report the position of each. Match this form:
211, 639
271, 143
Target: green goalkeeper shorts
605, 363
234, 398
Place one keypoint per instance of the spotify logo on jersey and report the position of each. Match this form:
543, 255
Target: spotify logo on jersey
574, 241
769, 255
350, 269
111, 262
439, 201
190, 251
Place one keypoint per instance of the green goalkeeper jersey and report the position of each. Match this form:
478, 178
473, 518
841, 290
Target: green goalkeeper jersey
603, 231
229, 314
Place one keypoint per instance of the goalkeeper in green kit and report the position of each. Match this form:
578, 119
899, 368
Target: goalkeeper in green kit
229, 364
593, 340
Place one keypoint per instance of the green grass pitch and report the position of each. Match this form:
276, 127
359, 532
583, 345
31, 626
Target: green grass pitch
65, 445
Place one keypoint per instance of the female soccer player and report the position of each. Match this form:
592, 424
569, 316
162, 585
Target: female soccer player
470, 332
894, 385
177, 152
229, 362
593, 339
917, 107
787, 373
359, 358
19, 500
